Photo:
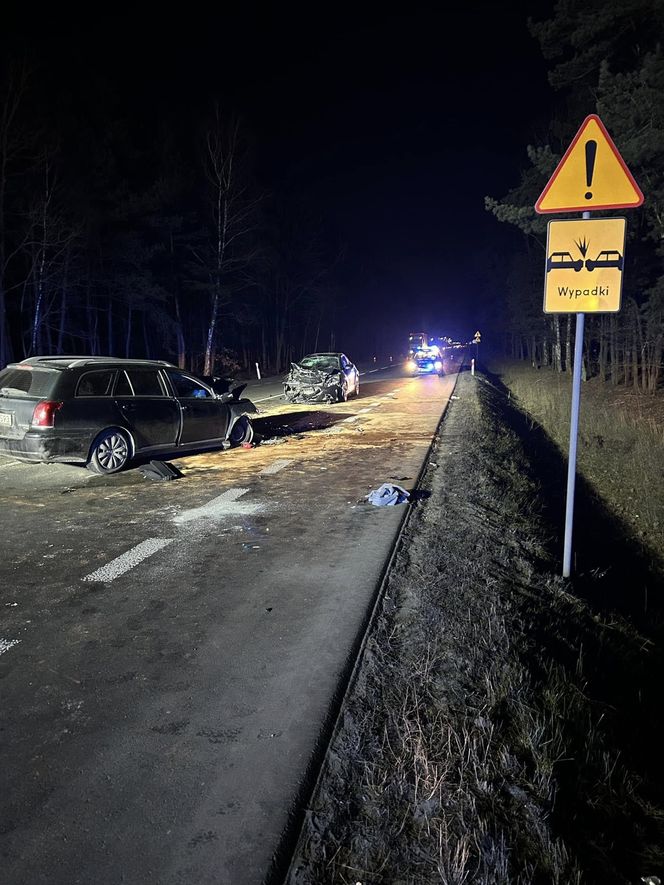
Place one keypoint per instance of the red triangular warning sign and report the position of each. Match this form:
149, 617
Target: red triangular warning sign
591, 175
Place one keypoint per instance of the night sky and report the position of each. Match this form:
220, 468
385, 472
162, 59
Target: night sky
393, 126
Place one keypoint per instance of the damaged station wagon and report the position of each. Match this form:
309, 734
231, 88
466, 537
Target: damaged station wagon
102, 411
322, 378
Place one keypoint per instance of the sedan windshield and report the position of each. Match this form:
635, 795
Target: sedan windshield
325, 361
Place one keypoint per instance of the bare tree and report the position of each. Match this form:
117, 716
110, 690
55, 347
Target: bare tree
228, 245
11, 146
49, 248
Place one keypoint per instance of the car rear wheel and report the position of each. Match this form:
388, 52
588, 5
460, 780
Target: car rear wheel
357, 386
110, 452
242, 432
343, 393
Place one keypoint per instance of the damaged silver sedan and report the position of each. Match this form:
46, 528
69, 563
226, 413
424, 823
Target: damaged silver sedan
322, 378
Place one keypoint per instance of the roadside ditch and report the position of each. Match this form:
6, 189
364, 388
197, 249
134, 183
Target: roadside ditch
505, 724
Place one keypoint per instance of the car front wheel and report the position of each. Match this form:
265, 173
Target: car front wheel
110, 452
242, 432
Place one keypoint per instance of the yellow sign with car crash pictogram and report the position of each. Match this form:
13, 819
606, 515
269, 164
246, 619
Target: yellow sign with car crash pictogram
584, 265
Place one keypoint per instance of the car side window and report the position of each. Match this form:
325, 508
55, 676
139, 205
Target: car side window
145, 383
344, 362
187, 387
95, 384
122, 385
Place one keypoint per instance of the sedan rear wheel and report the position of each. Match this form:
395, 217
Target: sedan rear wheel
242, 432
110, 452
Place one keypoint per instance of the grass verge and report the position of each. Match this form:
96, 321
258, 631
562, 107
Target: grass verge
503, 728
621, 441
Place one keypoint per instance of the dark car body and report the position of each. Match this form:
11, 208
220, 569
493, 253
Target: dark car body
607, 258
59, 408
563, 261
322, 377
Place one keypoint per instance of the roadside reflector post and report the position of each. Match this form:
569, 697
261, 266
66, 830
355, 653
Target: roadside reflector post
472, 367
258, 372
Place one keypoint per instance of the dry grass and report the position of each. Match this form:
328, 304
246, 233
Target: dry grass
621, 441
491, 735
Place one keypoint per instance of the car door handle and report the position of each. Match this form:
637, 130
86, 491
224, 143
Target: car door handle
128, 407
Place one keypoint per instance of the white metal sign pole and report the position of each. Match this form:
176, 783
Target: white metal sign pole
573, 436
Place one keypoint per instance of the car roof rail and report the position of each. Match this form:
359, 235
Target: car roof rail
60, 358
74, 360
121, 361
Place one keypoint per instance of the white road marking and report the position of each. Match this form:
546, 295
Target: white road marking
6, 644
221, 507
368, 409
379, 369
121, 564
275, 467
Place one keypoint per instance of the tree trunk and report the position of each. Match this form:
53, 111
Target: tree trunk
635, 361
146, 339
110, 327
63, 305
557, 350
182, 356
613, 352
209, 341
128, 337
602, 356
568, 344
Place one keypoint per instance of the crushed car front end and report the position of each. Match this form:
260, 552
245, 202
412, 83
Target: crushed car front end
305, 385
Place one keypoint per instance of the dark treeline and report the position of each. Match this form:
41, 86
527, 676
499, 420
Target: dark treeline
152, 239
604, 58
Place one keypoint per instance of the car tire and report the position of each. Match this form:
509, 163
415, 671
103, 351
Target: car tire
343, 394
110, 452
357, 387
242, 431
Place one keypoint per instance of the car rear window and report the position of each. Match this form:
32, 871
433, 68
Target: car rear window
28, 381
95, 383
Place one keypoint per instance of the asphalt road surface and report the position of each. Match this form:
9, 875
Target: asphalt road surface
169, 650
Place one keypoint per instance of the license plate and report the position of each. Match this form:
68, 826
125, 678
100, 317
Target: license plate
6, 419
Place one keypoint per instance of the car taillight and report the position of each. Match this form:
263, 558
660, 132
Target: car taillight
44, 413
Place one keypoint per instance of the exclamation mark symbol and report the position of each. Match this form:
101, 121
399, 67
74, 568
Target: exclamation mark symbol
591, 153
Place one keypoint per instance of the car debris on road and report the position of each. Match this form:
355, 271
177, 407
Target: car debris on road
159, 471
